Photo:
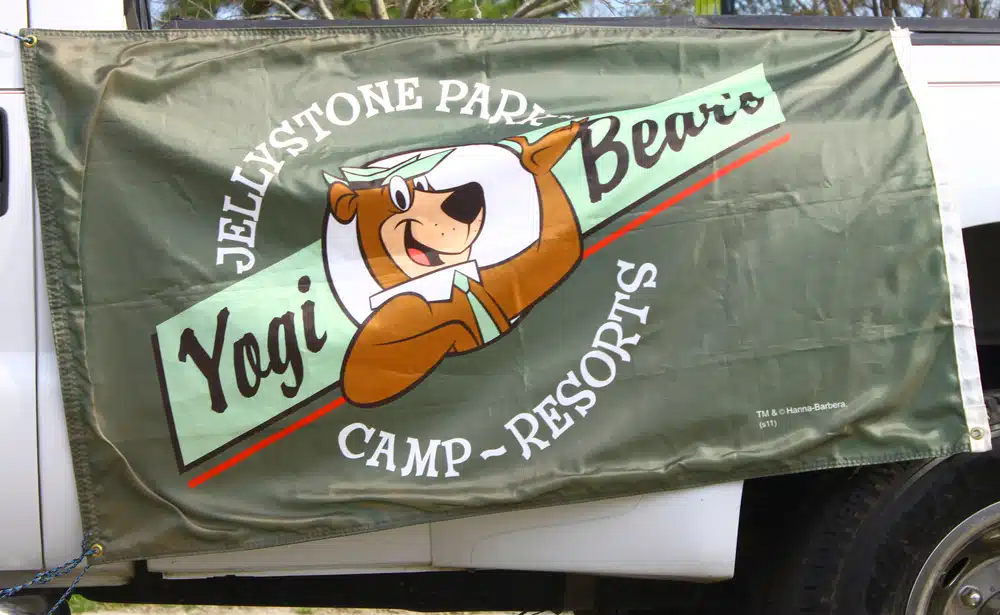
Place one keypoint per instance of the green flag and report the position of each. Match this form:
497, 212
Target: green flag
379, 287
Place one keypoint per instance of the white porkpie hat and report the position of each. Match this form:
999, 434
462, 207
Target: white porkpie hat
420, 163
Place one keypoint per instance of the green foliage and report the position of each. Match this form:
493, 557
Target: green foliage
79, 604
166, 10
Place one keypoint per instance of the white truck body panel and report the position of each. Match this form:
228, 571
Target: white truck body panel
20, 528
964, 82
13, 17
76, 15
688, 534
20, 525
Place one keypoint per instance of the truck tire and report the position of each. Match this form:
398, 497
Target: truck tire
917, 538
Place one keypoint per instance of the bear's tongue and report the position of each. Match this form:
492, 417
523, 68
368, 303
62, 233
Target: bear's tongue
418, 256
418, 252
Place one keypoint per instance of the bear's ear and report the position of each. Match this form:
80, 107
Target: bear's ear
343, 200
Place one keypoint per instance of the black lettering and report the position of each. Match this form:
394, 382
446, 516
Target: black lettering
292, 357
674, 138
313, 343
246, 350
718, 112
207, 365
591, 154
677, 128
639, 145
750, 103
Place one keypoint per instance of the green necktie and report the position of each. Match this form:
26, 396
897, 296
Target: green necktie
486, 325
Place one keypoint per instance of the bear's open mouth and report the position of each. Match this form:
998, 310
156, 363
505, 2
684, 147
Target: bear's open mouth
418, 252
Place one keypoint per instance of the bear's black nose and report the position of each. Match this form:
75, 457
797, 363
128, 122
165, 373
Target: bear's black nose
464, 203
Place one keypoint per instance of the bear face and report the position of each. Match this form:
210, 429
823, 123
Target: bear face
407, 229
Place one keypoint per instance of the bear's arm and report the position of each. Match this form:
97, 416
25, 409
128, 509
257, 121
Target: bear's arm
397, 347
519, 282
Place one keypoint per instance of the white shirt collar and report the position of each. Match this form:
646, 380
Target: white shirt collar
434, 286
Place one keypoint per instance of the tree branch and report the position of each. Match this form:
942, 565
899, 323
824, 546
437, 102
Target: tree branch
324, 9
410, 11
378, 7
201, 9
527, 7
550, 9
610, 8
291, 12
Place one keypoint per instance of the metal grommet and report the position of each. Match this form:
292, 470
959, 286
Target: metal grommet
30, 41
98, 549
977, 433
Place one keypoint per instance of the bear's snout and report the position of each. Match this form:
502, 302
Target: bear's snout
465, 203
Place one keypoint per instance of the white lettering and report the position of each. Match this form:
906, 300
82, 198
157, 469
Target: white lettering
294, 146
446, 85
227, 205
243, 234
385, 445
424, 465
618, 306
480, 96
307, 115
526, 440
242, 265
646, 277
617, 346
589, 378
449, 454
265, 157
382, 98
407, 91
351, 101
259, 188
552, 417
346, 432
502, 112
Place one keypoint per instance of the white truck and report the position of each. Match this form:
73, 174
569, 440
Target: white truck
909, 538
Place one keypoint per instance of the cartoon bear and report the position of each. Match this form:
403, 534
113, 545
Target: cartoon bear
439, 252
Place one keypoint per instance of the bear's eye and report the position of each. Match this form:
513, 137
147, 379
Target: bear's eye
421, 184
399, 192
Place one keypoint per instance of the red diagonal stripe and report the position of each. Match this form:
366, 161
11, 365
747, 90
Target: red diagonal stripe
683, 194
268, 441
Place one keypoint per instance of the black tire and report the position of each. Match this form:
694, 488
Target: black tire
854, 544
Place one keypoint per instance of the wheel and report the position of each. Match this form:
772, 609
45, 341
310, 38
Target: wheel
962, 573
919, 538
